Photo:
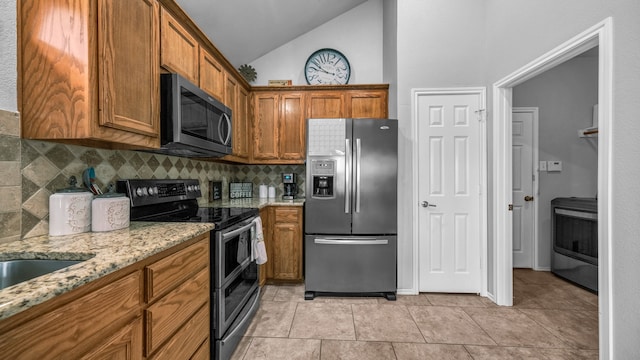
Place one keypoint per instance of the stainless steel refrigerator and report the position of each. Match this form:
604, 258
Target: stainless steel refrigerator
351, 207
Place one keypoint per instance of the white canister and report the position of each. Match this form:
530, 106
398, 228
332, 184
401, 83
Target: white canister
110, 212
263, 191
70, 212
272, 192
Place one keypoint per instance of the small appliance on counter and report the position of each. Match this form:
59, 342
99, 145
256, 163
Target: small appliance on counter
290, 186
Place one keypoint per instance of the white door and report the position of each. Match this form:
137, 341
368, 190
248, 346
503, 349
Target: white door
524, 122
449, 166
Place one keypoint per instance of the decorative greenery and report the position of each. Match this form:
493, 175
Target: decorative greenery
248, 72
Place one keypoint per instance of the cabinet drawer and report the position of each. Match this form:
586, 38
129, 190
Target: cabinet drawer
75, 327
170, 312
165, 274
187, 341
286, 215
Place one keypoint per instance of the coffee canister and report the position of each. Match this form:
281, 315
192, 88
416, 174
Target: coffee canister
70, 211
110, 212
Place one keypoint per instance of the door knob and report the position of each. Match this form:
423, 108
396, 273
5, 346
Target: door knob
528, 198
426, 204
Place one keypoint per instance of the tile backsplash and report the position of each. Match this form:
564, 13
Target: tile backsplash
30, 171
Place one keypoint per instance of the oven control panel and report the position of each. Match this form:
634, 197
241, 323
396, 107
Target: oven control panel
154, 191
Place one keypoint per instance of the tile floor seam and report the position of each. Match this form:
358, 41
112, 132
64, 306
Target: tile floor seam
562, 340
481, 327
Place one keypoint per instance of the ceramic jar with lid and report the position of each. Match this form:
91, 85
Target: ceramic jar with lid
70, 210
110, 212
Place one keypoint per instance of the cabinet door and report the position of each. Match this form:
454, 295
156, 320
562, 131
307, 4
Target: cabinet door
231, 89
211, 75
367, 104
265, 126
291, 127
179, 49
241, 131
126, 344
128, 74
325, 104
286, 240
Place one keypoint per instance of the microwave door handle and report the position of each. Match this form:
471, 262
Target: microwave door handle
224, 139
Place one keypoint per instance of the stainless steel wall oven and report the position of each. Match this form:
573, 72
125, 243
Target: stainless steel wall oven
235, 292
574, 256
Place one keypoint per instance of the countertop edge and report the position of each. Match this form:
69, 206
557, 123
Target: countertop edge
104, 253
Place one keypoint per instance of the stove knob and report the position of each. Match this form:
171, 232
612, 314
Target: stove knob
145, 192
190, 188
196, 187
155, 190
139, 191
150, 191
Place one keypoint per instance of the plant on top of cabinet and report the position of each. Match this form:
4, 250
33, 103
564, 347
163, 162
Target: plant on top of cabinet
88, 72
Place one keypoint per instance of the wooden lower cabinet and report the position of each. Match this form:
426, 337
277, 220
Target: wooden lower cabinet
125, 344
109, 318
282, 229
286, 242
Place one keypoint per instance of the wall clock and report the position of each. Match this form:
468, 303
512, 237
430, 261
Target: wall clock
327, 67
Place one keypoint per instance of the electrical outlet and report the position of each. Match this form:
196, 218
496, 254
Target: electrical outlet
554, 165
542, 166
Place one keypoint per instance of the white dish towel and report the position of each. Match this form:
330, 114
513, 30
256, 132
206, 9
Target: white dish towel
259, 252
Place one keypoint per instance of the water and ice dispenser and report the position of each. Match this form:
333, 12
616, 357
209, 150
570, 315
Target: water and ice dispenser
323, 173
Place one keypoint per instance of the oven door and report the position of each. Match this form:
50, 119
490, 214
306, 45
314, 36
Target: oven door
575, 234
233, 296
232, 251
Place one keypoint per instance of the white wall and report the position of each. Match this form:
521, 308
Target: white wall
357, 34
8, 56
565, 96
440, 43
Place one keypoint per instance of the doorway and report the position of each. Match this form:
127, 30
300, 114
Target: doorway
599, 35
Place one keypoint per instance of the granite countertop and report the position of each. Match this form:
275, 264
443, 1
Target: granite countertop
104, 252
255, 202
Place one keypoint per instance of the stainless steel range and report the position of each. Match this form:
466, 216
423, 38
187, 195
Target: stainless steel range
234, 273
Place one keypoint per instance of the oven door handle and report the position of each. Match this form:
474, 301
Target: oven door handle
232, 233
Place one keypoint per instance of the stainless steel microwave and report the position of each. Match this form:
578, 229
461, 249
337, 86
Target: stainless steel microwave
192, 123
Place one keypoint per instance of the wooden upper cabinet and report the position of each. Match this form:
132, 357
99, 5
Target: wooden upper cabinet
265, 126
179, 50
94, 80
231, 89
326, 104
241, 124
128, 71
291, 127
212, 75
367, 104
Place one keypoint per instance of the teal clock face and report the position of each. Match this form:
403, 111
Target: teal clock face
327, 67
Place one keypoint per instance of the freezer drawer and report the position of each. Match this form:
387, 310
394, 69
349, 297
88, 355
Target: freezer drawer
350, 264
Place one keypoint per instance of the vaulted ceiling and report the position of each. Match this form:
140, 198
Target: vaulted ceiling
244, 30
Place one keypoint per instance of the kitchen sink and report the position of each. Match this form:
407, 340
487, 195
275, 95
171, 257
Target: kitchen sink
16, 271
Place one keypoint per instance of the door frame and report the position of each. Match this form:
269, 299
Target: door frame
483, 211
600, 35
536, 180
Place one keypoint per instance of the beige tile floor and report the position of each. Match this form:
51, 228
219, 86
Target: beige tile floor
550, 319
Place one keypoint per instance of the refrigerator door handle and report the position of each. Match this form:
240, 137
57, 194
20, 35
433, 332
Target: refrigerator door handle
330, 241
347, 177
358, 152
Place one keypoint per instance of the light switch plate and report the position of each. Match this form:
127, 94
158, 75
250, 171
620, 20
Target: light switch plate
542, 166
554, 165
